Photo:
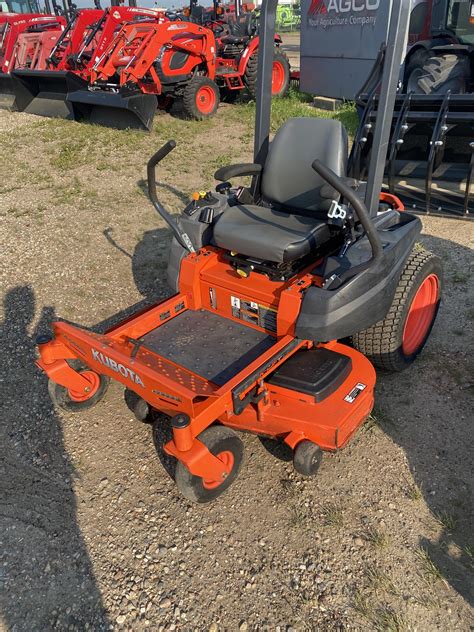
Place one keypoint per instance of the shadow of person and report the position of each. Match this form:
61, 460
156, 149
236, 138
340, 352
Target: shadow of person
430, 410
46, 577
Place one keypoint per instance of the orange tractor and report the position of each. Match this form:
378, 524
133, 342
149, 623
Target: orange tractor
148, 65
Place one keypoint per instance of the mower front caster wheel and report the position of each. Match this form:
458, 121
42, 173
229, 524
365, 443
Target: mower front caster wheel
307, 458
226, 446
76, 402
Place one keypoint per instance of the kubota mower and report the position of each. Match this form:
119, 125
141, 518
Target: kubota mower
269, 279
45, 89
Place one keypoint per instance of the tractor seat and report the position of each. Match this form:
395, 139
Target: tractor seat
269, 235
240, 29
234, 39
293, 221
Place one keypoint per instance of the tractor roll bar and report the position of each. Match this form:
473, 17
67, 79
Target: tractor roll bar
360, 208
181, 237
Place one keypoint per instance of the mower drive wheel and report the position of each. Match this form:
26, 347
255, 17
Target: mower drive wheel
226, 446
394, 343
200, 99
280, 74
307, 458
76, 402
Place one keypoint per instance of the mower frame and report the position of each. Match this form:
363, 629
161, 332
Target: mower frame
208, 284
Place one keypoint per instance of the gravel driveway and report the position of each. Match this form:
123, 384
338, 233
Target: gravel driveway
93, 533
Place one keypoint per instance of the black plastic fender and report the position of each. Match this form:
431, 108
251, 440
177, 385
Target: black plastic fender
363, 300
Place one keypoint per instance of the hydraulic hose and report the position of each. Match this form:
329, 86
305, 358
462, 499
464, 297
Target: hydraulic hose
357, 204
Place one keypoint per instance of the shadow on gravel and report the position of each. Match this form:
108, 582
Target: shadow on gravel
46, 577
435, 431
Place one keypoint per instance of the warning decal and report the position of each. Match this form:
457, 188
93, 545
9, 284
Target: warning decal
251, 312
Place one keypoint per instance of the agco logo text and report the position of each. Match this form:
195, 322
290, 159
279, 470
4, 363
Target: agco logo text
115, 366
343, 13
342, 6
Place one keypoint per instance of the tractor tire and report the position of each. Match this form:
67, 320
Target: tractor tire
394, 343
414, 68
442, 73
225, 445
77, 402
200, 99
280, 77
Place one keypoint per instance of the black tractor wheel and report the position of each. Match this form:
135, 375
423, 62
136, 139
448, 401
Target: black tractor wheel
226, 446
200, 99
280, 74
413, 68
307, 458
393, 343
441, 73
76, 402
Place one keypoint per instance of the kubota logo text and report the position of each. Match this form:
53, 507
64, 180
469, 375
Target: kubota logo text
115, 366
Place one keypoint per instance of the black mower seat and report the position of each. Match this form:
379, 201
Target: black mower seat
269, 235
299, 199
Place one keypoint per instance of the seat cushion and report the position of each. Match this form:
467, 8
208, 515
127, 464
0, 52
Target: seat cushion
268, 235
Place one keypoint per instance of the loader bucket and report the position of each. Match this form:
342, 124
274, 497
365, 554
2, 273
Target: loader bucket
430, 163
44, 92
7, 93
131, 110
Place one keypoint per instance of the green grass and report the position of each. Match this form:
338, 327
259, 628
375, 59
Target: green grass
380, 580
414, 492
381, 616
296, 104
428, 568
332, 515
447, 520
377, 538
296, 516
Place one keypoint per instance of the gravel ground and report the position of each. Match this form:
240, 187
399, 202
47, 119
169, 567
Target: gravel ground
93, 533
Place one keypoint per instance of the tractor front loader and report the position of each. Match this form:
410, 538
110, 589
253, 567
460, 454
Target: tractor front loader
44, 90
24, 39
149, 65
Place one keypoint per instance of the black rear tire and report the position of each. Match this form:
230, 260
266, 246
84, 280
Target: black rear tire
386, 344
250, 74
307, 458
416, 62
200, 99
441, 73
66, 400
219, 440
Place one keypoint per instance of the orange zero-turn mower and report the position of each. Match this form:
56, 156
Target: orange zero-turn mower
269, 280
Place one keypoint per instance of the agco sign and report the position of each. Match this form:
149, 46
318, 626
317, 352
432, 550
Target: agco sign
327, 13
343, 6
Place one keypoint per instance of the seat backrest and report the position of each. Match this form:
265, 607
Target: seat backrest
288, 180
240, 26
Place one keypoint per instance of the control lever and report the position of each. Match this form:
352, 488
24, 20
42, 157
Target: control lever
181, 237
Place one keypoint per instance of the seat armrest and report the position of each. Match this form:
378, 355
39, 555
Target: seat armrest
232, 171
